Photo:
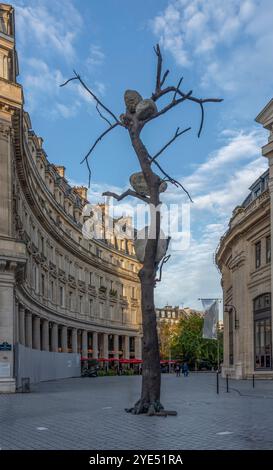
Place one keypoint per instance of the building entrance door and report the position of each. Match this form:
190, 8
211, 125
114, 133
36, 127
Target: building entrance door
262, 333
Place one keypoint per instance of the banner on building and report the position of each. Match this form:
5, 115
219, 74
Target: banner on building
211, 317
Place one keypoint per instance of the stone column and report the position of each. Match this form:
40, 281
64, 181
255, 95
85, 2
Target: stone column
95, 345
28, 329
64, 339
54, 337
22, 333
45, 335
138, 347
116, 346
126, 347
84, 344
36, 333
105, 346
74, 340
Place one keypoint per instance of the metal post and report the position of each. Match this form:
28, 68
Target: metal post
227, 383
217, 382
253, 381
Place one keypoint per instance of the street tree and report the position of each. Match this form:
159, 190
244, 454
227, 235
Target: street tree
138, 114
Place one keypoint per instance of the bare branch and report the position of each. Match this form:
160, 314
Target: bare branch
159, 67
165, 259
172, 180
200, 101
89, 172
164, 78
177, 88
159, 81
129, 192
101, 115
169, 106
99, 138
202, 119
177, 134
78, 77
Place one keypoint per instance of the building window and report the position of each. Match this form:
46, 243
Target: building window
90, 278
62, 296
257, 254
133, 318
51, 290
98, 252
80, 303
43, 284
90, 306
70, 300
230, 337
101, 310
262, 332
36, 278
268, 249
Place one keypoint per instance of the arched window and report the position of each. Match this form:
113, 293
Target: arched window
262, 332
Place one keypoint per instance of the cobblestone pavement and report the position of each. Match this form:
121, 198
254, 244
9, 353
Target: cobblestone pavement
88, 413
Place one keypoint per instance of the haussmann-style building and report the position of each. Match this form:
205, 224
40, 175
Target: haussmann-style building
61, 295
245, 261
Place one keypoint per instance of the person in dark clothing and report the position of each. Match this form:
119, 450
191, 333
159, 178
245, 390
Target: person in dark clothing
177, 370
185, 369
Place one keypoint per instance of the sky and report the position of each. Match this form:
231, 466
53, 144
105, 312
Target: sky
222, 49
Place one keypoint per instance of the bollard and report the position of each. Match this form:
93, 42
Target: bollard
253, 381
227, 383
217, 382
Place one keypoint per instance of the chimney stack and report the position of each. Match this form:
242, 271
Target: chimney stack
60, 170
81, 191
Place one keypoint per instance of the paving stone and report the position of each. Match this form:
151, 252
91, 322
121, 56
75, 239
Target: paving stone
89, 414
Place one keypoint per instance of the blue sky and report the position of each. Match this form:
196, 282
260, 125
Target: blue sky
222, 49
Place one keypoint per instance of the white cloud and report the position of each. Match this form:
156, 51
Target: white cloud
96, 56
239, 147
225, 41
52, 26
217, 186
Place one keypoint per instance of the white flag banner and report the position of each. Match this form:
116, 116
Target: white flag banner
211, 307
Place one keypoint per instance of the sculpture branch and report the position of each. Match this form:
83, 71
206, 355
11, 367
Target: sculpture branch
101, 115
177, 88
177, 134
159, 92
159, 81
129, 192
188, 96
78, 77
169, 106
99, 139
172, 180
85, 159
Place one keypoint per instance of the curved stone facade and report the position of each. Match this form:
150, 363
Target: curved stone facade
243, 257
58, 290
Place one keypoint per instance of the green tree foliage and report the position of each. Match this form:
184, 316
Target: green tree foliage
188, 345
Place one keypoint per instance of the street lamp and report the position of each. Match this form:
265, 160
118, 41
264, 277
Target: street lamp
229, 308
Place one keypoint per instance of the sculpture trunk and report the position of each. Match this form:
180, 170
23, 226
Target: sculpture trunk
151, 375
